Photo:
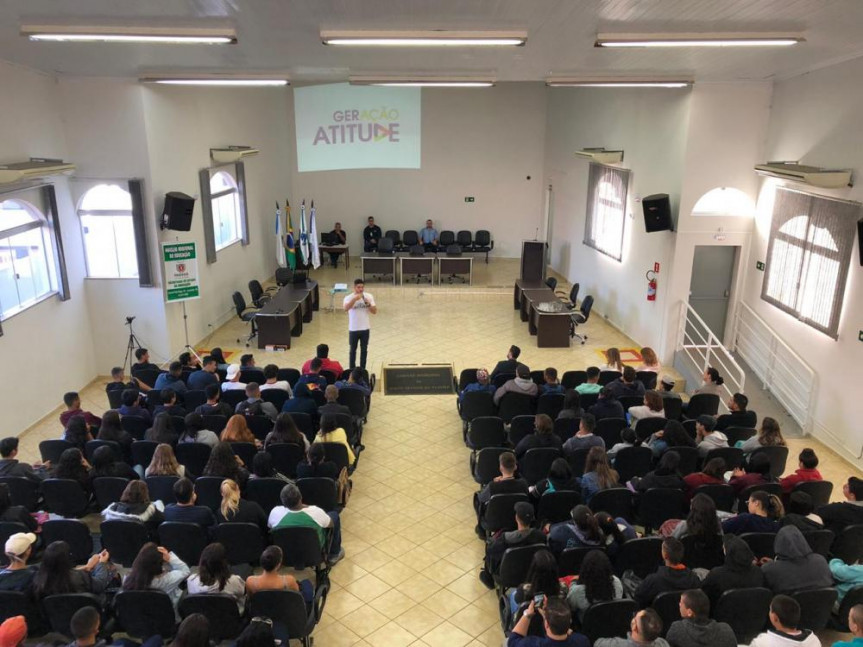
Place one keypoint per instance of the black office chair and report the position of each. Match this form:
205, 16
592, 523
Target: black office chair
579, 318
566, 428
550, 404
778, 457
647, 378
487, 466
519, 428
538, 378
514, 566
454, 251
319, 491
123, 540
135, 426
259, 297
499, 513
284, 276
446, 239
475, 404
386, 247
551, 282
569, 300
243, 542
194, 456
737, 434
658, 505
16, 603
633, 461
60, 608
487, 431
646, 427
615, 501
840, 622
410, 238
608, 619
572, 379
65, 497
760, 543
266, 492
722, 494
186, 540
515, 404
214, 422
142, 452
108, 490
819, 491
276, 397
482, 242
535, 464
642, 556
393, 235
556, 506
820, 541
219, 608
246, 314
848, 546
815, 607
209, 491
745, 610
51, 450
22, 491
733, 456
702, 404
289, 613
301, 549
667, 605
465, 239
142, 614
286, 457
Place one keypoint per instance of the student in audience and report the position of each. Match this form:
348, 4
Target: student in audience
626, 384
800, 512
710, 474
598, 474
542, 436
607, 406
170, 404
559, 479
837, 516
645, 630
584, 437
157, 568
235, 509
649, 361
666, 386
845, 577
72, 465
73, 409
707, 437
219, 356
232, 379
592, 385
18, 575
11, 466
755, 472
313, 378
200, 380
617, 532
764, 513
521, 383
118, 382
671, 576
672, 435
135, 505
628, 438
509, 365
164, 463
738, 416
286, 431
807, 470
272, 381
162, 430
247, 361
77, 432
293, 513
214, 406
697, 628
131, 399
701, 522
596, 583
666, 474
855, 624
317, 465
652, 408
262, 468
143, 363
322, 352
225, 463
506, 483
15, 513
185, 510
270, 580
581, 531
194, 431
556, 618
237, 431
542, 579
523, 535
482, 384
357, 379
796, 566
105, 463
551, 384
571, 406
784, 618
189, 362
258, 633
172, 379
770, 435
332, 406
740, 570
302, 402
214, 576
111, 429
330, 433
612, 361
57, 573
84, 627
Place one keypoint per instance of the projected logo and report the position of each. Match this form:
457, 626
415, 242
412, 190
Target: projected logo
367, 125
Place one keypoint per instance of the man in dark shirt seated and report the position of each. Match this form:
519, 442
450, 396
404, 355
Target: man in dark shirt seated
838, 516
626, 384
185, 510
523, 535
313, 379
607, 406
356, 380
213, 406
200, 380
247, 361
509, 365
672, 576
132, 406
173, 378
118, 382
506, 483
738, 416
302, 402
557, 618
371, 235
169, 405
11, 466
331, 393
143, 363
73, 408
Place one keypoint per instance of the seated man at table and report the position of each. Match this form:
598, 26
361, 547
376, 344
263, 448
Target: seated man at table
428, 237
371, 235
338, 236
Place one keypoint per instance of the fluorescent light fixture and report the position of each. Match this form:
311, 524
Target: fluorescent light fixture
217, 80
432, 38
419, 82
732, 39
130, 34
611, 82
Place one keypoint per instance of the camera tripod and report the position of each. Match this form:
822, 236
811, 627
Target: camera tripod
131, 346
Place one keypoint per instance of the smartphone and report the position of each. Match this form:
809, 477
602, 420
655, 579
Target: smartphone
538, 601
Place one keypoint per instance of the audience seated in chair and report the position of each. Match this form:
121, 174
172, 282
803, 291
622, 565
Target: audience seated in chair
598, 474
330, 433
302, 402
666, 386
571, 406
112, 430
157, 568
584, 437
172, 379
77, 432
84, 627
509, 365
845, 576
649, 361
626, 384
119, 383
806, 471
673, 575
796, 567
322, 352
542, 579
143, 363
521, 383
672, 435
523, 535
105, 463
225, 463
738, 415
556, 618
57, 573
628, 439
645, 630
164, 463
293, 514
764, 512
247, 360
237, 431
331, 395
838, 516
214, 576
285, 431
607, 406
483, 383
131, 399
506, 483
317, 466
194, 431
560, 479
185, 510
592, 385
10, 466
135, 505
769, 435
232, 379
711, 382
652, 408
253, 405
170, 403
312, 378
162, 430
666, 474
235, 509
271, 580
73, 409
72, 465
581, 531
214, 406
200, 380
542, 436
272, 381
701, 522
596, 583
784, 632
613, 362
551, 383
696, 628
710, 474
707, 437
740, 570
18, 574
800, 512
755, 472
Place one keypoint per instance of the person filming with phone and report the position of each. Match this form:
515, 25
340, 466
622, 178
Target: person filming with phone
358, 306
557, 619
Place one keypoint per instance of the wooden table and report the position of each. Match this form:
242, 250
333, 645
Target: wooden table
338, 249
419, 265
455, 265
551, 328
521, 285
533, 296
284, 314
379, 265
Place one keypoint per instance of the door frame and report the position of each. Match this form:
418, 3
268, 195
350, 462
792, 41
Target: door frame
735, 289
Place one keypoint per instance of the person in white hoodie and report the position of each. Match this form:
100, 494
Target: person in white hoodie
784, 617
520, 384
707, 438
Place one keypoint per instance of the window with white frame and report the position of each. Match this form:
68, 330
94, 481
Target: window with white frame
606, 209
808, 256
109, 234
27, 264
225, 201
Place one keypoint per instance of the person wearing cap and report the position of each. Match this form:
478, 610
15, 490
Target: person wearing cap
13, 631
707, 438
666, 388
509, 365
232, 379
837, 516
18, 575
483, 383
523, 535
521, 383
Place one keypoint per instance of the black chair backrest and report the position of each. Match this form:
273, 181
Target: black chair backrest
447, 237
289, 375
287, 610
501, 378
851, 600
848, 546
417, 250
220, 609
482, 239
194, 398
453, 250
65, 497
252, 374
22, 491
565, 428
550, 404
60, 608
577, 460
208, 489
464, 238
515, 564
701, 404
385, 246
265, 492
50, 450
91, 446
633, 461
820, 541
499, 512
608, 619
689, 459
761, 543
108, 489
586, 307
733, 456
703, 554
609, 430
646, 427
354, 400
658, 505
820, 491
642, 555
815, 607
319, 491
615, 501
243, 542
286, 457
301, 547
277, 397
239, 303
569, 561
647, 378
519, 428
737, 434
305, 424
16, 603
588, 400
551, 282
535, 464
410, 238
74, 532
337, 453
186, 540
745, 610
556, 506
467, 376
722, 494
283, 276
488, 464
778, 457
515, 404
194, 456
393, 235
477, 403
123, 540
142, 452
486, 431
144, 613
135, 425
147, 375
572, 379
607, 377
667, 605
673, 408
246, 452
255, 290
233, 397
215, 422
627, 401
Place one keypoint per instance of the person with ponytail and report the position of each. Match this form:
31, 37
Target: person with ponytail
235, 509
765, 512
582, 530
712, 381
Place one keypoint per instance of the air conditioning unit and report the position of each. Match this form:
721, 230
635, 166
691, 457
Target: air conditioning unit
231, 154
600, 155
812, 175
36, 168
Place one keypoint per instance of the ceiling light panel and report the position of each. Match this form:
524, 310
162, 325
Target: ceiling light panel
424, 38
718, 39
130, 34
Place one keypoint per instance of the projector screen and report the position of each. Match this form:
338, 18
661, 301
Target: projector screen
343, 126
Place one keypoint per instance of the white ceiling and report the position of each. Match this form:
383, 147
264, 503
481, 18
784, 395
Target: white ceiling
283, 35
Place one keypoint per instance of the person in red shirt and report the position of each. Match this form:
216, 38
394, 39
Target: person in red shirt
757, 472
327, 364
805, 472
73, 408
710, 474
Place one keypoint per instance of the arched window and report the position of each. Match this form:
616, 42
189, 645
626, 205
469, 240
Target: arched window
109, 236
606, 209
225, 199
26, 257
724, 201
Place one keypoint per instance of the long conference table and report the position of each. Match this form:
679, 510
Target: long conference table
283, 316
549, 323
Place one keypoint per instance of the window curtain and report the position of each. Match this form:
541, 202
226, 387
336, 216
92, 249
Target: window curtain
244, 214
207, 216
606, 209
145, 275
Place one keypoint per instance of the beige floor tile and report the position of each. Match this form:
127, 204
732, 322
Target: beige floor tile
418, 620
371, 558
446, 635
336, 635
391, 635
419, 588
347, 572
392, 604
445, 603
468, 586
364, 621
443, 572
340, 603
394, 572
475, 620
368, 587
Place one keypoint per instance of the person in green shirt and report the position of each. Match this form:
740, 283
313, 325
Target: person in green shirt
592, 385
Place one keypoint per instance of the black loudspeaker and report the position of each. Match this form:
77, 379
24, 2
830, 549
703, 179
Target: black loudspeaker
657, 213
177, 213
860, 239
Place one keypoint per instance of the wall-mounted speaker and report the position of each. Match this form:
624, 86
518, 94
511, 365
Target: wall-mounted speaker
657, 213
860, 239
177, 213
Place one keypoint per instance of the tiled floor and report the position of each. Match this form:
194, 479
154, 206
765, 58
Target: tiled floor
410, 575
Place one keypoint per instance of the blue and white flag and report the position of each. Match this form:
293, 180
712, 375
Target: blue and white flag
313, 234
281, 260
304, 235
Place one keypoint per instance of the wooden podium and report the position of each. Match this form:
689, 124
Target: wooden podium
533, 260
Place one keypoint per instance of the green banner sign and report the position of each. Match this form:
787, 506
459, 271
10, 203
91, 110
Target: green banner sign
181, 272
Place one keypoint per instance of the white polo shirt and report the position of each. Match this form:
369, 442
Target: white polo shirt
358, 315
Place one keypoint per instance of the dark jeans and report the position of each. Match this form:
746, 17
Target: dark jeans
361, 337
336, 546
334, 258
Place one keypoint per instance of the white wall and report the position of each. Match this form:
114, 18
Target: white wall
816, 119
477, 142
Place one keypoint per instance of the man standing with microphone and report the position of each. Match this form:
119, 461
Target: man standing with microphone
358, 306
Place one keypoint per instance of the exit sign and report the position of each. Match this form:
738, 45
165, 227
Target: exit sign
759, 266
469, 198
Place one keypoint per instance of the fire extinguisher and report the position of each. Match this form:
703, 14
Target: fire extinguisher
651, 285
